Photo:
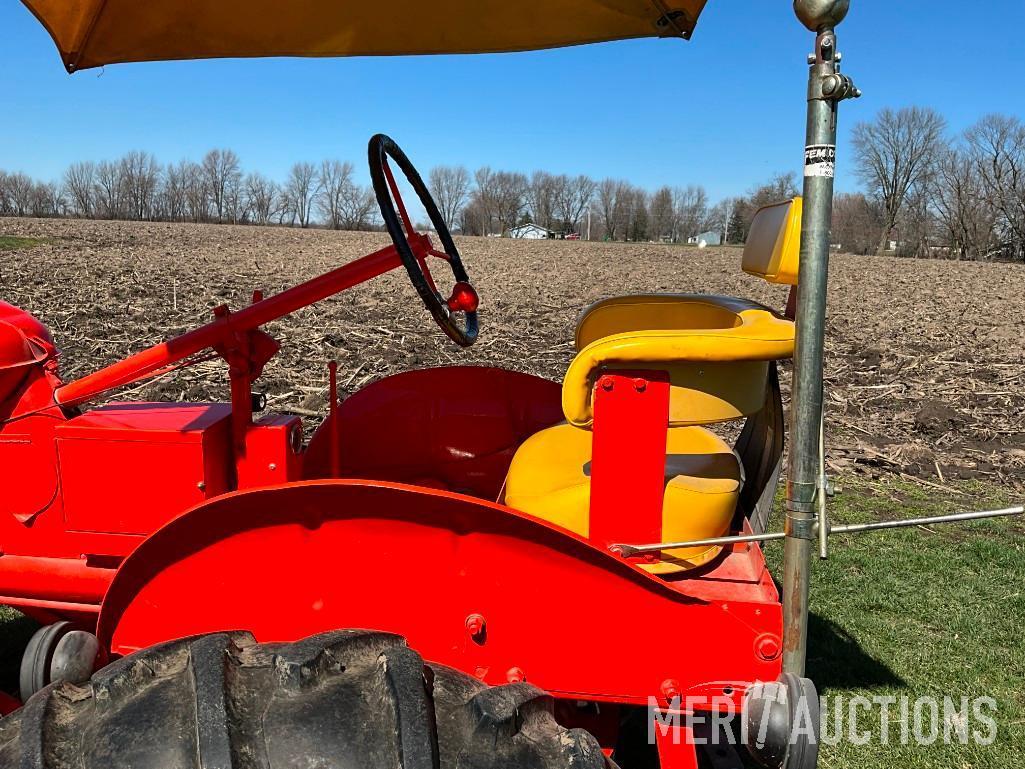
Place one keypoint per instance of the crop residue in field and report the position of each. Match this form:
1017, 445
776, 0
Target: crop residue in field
925, 373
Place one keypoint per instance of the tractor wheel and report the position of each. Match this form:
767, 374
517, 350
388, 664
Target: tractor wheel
347, 698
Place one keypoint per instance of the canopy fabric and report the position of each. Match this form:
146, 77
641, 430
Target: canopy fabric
91, 33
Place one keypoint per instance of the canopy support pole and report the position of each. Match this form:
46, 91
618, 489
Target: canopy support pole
826, 88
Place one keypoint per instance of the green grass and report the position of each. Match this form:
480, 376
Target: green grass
15, 243
921, 613
902, 613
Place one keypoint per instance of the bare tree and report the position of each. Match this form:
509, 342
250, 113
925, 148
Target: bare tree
509, 191
301, 190
357, 207
720, 218
611, 194
500, 196
896, 153
6, 205
472, 218
139, 176
171, 193
80, 180
261, 196
690, 211
335, 178
450, 187
661, 215
962, 208
46, 199
221, 174
540, 198
197, 200
635, 209
997, 147
20, 186
482, 201
110, 189
572, 197
856, 223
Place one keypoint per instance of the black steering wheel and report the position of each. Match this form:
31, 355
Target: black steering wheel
414, 248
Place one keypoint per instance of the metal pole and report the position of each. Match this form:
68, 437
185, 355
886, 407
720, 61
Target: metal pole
820, 16
631, 551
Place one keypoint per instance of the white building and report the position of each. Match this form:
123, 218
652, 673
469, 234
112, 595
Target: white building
531, 231
710, 238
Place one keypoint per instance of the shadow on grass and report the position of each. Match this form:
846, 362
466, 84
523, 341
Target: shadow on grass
837, 661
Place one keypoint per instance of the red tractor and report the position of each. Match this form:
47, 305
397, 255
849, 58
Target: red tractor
566, 556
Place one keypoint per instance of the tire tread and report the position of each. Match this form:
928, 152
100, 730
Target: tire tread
349, 697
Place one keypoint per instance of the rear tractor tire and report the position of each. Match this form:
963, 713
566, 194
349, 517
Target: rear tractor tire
347, 699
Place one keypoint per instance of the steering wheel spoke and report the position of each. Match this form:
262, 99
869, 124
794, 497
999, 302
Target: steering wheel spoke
439, 254
414, 248
399, 202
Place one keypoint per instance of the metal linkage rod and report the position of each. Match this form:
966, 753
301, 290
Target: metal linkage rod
629, 551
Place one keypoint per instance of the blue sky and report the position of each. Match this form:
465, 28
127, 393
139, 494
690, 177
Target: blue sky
724, 110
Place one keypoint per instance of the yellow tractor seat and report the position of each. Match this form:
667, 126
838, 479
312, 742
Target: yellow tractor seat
713, 354
715, 348
550, 477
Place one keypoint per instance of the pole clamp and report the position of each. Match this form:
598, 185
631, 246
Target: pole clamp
800, 527
832, 87
801, 509
826, 82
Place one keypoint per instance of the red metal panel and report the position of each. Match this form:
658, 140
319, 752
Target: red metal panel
288, 561
62, 580
459, 428
29, 466
272, 452
149, 422
631, 417
108, 458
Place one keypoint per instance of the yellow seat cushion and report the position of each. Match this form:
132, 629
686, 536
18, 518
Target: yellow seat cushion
550, 478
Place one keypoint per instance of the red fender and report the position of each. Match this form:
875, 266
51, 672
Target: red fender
288, 561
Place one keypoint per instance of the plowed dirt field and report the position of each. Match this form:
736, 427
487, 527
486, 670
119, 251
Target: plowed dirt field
925, 360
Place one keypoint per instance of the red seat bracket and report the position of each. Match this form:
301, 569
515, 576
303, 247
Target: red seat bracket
631, 415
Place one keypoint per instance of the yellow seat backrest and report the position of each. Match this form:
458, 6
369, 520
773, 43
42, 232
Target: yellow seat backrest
774, 242
716, 350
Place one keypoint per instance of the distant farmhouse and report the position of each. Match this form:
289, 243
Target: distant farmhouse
710, 238
531, 231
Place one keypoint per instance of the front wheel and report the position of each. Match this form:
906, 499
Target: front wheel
349, 698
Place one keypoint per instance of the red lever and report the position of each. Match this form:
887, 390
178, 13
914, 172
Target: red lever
464, 298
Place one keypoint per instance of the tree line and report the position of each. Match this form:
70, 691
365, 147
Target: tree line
925, 193
930, 193
483, 202
215, 189
489, 202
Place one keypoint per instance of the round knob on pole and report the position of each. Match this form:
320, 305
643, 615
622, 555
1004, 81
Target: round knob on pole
820, 14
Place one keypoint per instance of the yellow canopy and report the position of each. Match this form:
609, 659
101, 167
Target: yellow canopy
91, 33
